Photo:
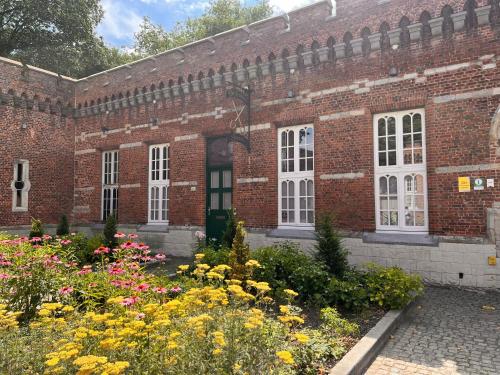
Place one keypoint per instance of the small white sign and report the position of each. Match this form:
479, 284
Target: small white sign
490, 182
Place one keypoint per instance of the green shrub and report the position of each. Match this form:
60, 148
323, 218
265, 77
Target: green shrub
392, 288
63, 226
329, 247
110, 231
214, 256
348, 294
285, 266
36, 228
334, 323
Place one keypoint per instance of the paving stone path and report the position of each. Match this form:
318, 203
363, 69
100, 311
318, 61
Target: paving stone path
448, 332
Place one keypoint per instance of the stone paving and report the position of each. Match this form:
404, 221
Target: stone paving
449, 332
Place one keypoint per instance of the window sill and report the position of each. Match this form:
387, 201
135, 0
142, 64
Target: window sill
296, 234
401, 239
20, 209
156, 228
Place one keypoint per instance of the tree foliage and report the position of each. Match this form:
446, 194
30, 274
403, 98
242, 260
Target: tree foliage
60, 35
220, 16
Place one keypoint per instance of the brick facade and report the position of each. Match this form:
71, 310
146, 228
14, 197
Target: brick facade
309, 66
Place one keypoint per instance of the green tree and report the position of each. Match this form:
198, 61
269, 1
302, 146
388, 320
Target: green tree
329, 248
110, 231
240, 253
63, 226
220, 16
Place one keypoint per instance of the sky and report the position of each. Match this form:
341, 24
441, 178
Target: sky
123, 17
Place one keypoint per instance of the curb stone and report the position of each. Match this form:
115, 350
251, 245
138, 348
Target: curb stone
357, 360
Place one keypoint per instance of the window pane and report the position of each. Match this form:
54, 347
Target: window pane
392, 157
310, 164
407, 124
391, 126
214, 201
310, 188
226, 177
291, 140
283, 139
407, 141
393, 185
381, 127
382, 158
417, 123
214, 179
391, 143
284, 189
302, 188
291, 188
383, 185
382, 142
226, 201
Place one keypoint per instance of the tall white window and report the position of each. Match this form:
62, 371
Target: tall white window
159, 181
109, 184
296, 176
400, 172
20, 186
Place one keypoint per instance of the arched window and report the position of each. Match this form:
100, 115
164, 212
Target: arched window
471, 17
448, 27
296, 176
314, 48
366, 46
404, 36
385, 42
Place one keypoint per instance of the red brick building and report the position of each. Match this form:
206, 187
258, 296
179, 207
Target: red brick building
371, 111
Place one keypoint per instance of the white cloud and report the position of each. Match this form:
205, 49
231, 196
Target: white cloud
120, 22
281, 6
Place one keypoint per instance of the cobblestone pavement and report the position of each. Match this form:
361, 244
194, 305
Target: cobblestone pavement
449, 332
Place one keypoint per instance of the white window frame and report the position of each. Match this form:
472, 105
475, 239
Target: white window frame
110, 181
400, 170
296, 177
159, 181
23, 207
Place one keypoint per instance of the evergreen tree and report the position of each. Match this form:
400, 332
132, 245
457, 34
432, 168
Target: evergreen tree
329, 248
63, 226
110, 231
36, 228
230, 232
240, 254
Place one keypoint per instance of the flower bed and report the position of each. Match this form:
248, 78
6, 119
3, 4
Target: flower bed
111, 317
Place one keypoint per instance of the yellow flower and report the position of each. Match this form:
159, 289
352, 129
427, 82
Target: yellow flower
199, 256
284, 309
115, 368
217, 351
171, 345
303, 339
52, 362
286, 357
252, 263
219, 338
183, 268
291, 293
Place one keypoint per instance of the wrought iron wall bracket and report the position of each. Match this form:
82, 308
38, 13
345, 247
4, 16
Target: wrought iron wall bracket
244, 95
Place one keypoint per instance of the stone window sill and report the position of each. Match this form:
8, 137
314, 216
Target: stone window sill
412, 239
296, 234
156, 228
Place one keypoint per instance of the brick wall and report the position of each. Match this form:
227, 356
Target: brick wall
453, 75
39, 100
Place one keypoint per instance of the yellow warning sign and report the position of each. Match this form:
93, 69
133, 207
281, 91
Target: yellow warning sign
464, 184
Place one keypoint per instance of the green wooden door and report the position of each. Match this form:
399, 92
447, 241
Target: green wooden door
219, 200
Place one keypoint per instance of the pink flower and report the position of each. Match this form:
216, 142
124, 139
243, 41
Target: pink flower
4, 276
19, 254
85, 270
142, 287
160, 290
46, 237
92, 285
133, 235
101, 250
65, 242
143, 247
129, 301
65, 290
116, 271
140, 316
119, 235
36, 239
176, 289
160, 257
129, 245
5, 263
200, 235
